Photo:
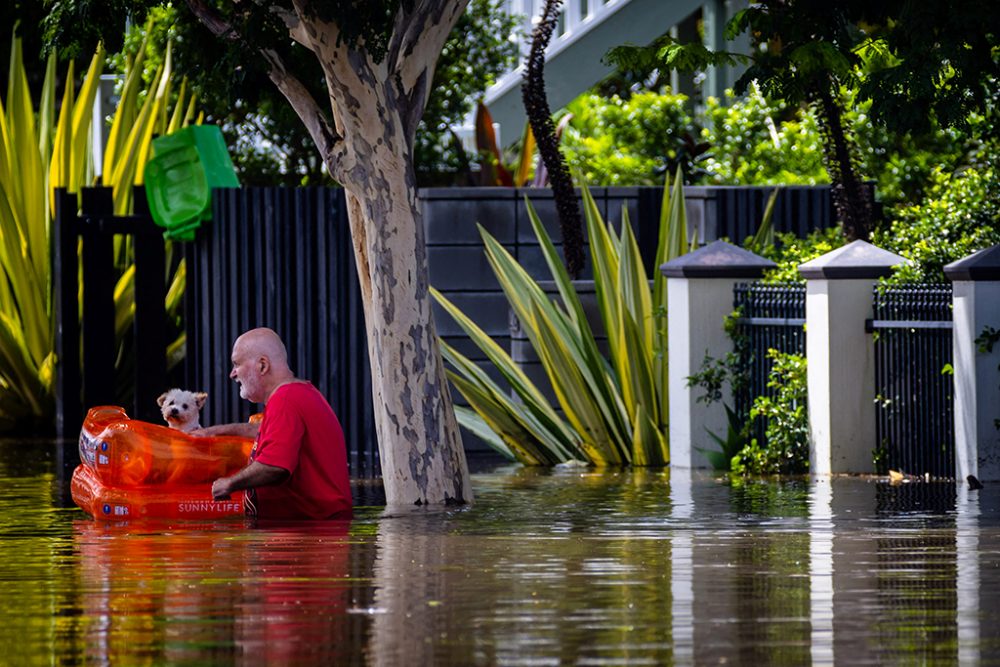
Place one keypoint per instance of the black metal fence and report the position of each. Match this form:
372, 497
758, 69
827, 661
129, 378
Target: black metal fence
770, 317
914, 389
798, 208
281, 258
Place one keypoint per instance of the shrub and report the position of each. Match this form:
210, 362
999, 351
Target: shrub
961, 214
634, 141
753, 141
787, 419
756, 141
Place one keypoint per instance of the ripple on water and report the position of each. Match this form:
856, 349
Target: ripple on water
547, 567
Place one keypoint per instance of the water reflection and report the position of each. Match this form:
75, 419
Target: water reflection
571, 566
217, 592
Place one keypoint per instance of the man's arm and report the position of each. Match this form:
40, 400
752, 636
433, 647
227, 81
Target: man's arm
244, 429
254, 475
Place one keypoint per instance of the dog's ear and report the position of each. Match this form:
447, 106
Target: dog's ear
200, 398
162, 399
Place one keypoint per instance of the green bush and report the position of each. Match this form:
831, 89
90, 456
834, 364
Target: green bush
755, 141
960, 214
615, 141
787, 422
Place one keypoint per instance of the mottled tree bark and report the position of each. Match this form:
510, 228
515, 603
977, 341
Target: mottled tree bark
366, 141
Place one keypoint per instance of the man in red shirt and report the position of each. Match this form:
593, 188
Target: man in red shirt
298, 466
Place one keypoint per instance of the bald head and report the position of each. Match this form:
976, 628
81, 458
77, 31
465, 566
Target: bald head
264, 342
260, 364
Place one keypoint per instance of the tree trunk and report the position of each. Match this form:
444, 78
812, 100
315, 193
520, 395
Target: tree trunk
377, 104
420, 446
536, 107
850, 196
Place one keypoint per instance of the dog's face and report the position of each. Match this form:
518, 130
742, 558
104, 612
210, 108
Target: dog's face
180, 408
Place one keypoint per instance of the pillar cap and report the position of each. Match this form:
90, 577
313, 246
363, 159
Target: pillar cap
858, 259
980, 265
717, 260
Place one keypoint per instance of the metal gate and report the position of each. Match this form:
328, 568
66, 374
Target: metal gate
913, 382
770, 317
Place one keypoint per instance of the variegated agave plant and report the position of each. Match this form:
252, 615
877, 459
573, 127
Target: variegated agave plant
611, 410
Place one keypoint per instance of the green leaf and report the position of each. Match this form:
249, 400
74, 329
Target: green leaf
470, 419
528, 437
764, 238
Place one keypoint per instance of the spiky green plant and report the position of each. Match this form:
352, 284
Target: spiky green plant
38, 153
613, 410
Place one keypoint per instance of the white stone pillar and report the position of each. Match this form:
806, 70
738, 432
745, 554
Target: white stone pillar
699, 296
976, 306
840, 356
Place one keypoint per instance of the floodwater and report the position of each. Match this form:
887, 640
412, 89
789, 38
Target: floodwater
564, 567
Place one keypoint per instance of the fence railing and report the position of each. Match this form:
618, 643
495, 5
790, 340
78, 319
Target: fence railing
770, 317
915, 424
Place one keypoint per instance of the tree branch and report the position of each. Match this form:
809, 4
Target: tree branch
414, 48
295, 24
324, 134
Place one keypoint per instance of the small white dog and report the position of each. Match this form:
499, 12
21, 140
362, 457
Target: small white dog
180, 408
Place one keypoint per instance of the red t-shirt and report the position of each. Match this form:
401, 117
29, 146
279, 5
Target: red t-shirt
301, 434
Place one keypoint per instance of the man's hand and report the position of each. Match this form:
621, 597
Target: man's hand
255, 475
221, 489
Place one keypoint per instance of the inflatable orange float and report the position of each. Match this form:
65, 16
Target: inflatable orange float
133, 469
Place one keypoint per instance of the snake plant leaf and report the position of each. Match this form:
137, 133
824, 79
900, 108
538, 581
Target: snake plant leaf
580, 405
124, 117
596, 370
28, 300
46, 110
764, 237
176, 351
617, 408
512, 434
559, 273
647, 449
531, 398
175, 293
125, 169
634, 284
671, 243
83, 114
671, 240
158, 115
25, 172
124, 298
23, 380
38, 154
177, 118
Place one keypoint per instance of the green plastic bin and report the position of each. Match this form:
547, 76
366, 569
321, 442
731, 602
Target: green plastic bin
186, 165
